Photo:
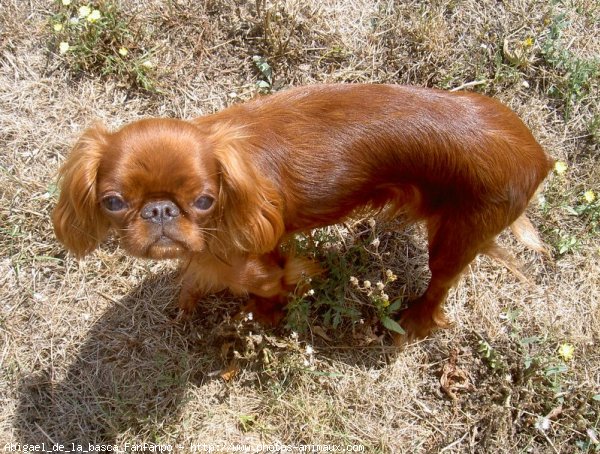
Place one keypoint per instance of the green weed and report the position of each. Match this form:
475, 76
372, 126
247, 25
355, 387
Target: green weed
339, 297
578, 204
578, 75
265, 83
97, 39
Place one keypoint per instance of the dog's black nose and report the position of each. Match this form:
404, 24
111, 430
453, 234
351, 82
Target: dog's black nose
160, 212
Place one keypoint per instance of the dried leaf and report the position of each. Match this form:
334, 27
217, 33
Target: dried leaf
230, 371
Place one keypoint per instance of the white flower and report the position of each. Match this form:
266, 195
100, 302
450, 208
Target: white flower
542, 202
63, 47
560, 167
66, 2
542, 424
367, 284
94, 16
309, 350
84, 11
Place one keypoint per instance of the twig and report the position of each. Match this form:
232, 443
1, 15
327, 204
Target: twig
44, 433
454, 443
471, 84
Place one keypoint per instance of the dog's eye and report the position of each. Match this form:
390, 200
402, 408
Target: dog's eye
113, 203
204, 202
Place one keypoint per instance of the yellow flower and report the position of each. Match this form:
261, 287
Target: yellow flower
57, 27
528, 42
589, 196
84, 11
560, 167
66, 2
566, 351
123, 51
63, 47
94, 16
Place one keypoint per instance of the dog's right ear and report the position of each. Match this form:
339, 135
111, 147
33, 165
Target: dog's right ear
78, 221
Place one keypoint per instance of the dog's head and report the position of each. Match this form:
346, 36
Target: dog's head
168, 189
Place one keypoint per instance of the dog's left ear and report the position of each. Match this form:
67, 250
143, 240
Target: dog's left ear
250, 204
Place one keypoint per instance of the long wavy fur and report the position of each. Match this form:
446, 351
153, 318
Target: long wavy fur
76, 218
251, 217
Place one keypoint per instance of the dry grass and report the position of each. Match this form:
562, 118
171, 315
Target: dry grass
90, 350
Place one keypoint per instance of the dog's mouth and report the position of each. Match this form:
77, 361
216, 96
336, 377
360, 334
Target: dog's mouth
161, 243
165, 248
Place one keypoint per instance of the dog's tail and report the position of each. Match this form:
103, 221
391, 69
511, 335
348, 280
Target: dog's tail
526, 233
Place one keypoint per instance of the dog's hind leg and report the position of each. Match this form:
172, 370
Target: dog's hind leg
453, 243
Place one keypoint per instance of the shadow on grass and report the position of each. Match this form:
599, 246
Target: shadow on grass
138, 366
130, 374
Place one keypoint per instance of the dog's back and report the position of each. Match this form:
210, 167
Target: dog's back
336, 147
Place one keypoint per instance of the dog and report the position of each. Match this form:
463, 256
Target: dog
225, 191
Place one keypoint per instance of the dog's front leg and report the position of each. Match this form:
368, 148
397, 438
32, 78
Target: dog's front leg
204, 274
266, 279
270, 280
201, 275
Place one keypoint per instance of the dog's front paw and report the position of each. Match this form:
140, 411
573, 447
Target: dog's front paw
419, 320
187, 304
269, 312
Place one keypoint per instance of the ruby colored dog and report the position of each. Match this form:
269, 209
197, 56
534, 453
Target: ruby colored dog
224, 191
